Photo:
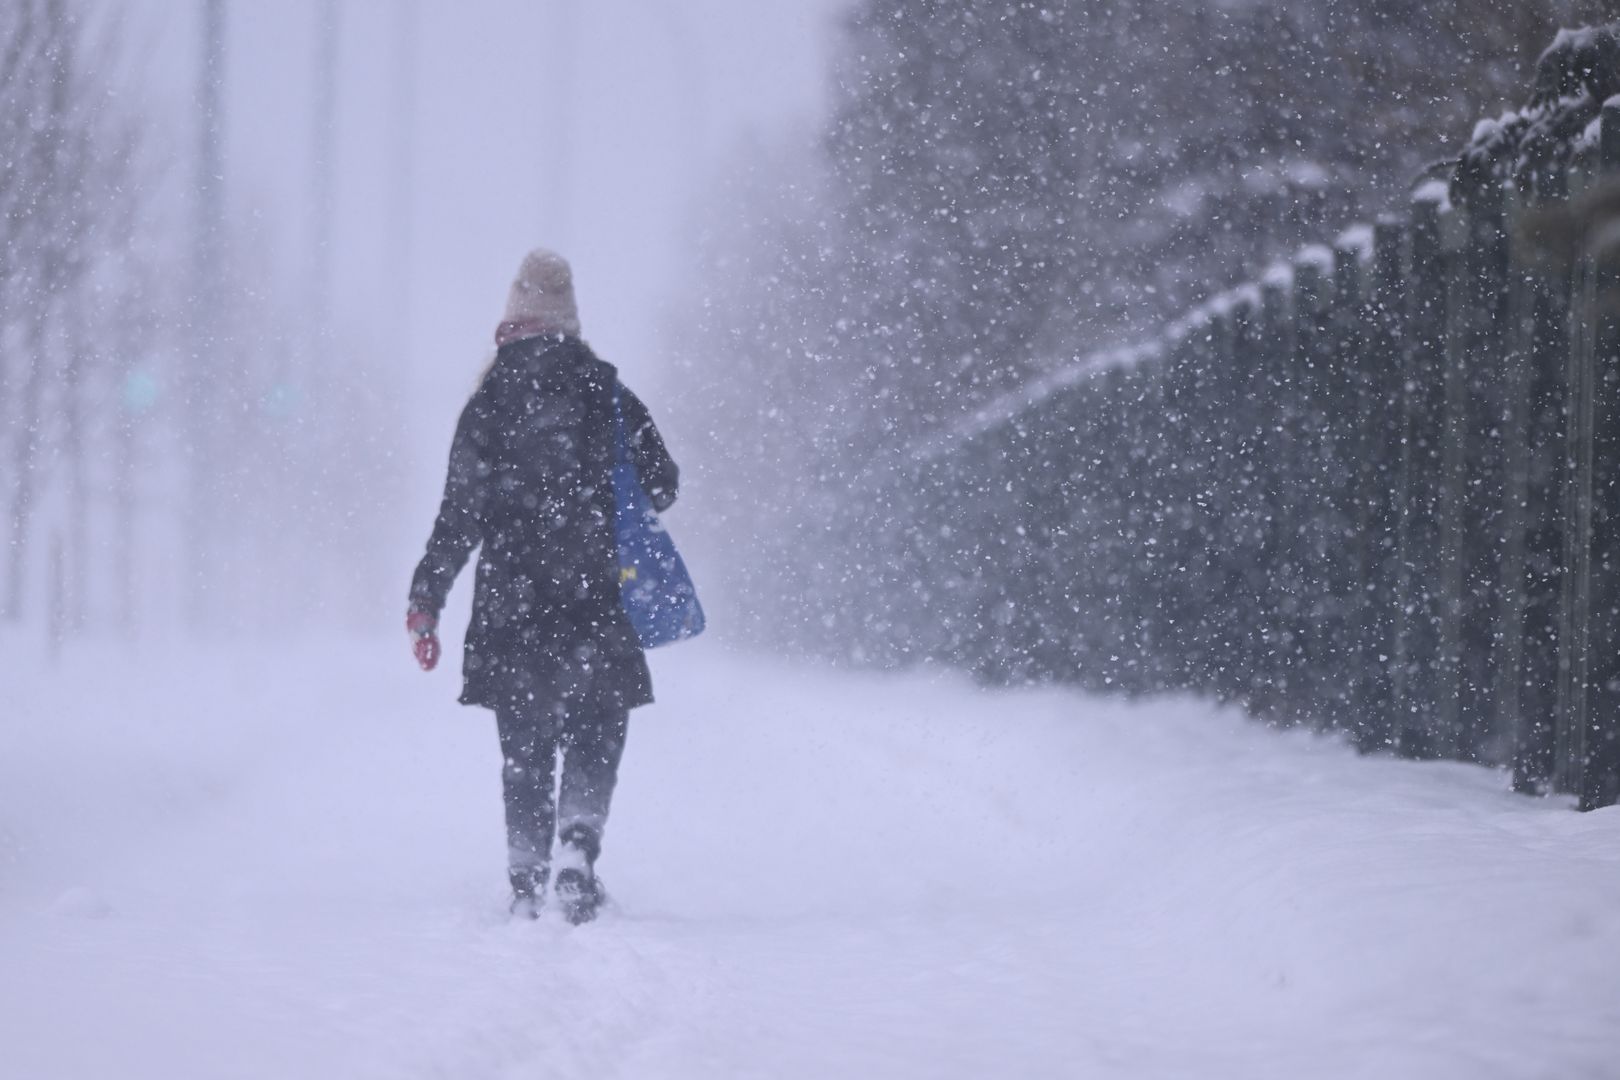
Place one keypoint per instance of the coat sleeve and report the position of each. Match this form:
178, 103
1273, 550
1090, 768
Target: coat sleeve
660, 477
458, 528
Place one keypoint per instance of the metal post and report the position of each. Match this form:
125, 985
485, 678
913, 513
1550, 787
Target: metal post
1518, 343
1348, 558
323, 155
1570, 707
1451, 506
1595, 747
1482, 504
1279, 584
1544, 483
1384, 474
202, 401
1423, 369
1310, 336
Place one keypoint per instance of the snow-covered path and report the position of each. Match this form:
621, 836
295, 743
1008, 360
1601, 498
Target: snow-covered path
294, 870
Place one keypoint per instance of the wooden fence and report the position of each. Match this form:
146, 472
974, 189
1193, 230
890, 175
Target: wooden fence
1378, 491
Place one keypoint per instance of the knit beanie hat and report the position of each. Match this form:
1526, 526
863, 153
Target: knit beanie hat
541, 300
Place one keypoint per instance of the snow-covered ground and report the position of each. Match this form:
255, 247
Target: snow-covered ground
288, 864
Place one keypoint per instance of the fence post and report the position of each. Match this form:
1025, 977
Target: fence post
1204, 450
1596, 753
1178, 524
1570, 709
1310, 333
1543, 486
1008, 446
1109, 551
1053, 582
1383, 477
1423, 368
1279, 604
1084, 567
1223, 507
1346, 563
1141, 389
1452, 488
1482, 503
986, 630
1517, 347
1247, 570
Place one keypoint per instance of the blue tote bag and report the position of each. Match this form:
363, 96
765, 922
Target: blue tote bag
654, 587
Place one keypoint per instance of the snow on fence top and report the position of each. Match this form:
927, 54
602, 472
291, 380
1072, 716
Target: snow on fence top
1437, 192
1013, 404
1357, 239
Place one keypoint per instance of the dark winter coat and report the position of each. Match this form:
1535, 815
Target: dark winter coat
530, 480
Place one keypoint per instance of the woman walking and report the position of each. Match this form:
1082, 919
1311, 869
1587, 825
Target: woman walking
549, 649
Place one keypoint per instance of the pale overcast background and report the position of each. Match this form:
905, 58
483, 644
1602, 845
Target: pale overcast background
590, 127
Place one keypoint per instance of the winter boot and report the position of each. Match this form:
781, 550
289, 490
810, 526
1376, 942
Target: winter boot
578, 891
528, 889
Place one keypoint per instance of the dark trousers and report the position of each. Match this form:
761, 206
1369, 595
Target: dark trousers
590, 741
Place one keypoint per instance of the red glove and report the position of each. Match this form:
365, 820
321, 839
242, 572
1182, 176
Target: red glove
423, 627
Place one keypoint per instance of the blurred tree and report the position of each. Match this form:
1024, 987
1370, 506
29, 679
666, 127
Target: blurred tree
58, 191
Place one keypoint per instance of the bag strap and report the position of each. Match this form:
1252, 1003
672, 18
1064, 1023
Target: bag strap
621, 443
